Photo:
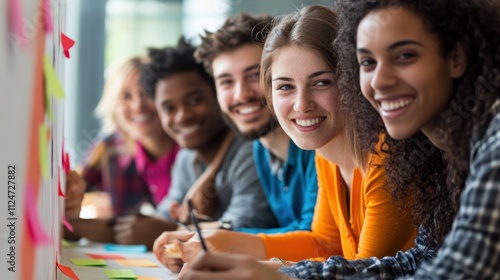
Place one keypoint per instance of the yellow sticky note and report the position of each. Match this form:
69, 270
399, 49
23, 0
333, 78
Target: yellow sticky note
42, 153
137, 262
52, 82
89, 262
120, 273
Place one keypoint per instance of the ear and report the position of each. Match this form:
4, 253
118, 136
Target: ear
458, 61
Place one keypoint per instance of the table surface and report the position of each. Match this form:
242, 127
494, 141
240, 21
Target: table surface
79, 250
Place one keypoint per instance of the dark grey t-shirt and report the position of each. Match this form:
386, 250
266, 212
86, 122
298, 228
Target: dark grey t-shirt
241, 199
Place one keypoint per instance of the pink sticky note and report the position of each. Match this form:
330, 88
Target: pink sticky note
35, 229
67, 224
106, 256
67, 43
15, 22
67, 271
47, 16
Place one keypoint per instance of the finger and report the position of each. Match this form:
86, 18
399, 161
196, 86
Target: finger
172, 250
217, 261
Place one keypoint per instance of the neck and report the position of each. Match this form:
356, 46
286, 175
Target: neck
158, 145
207, 153
277, 142
337, 151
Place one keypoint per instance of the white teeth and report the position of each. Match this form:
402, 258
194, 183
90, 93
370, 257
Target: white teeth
308, 122
249, 110
187, 130
141, 118
395, 104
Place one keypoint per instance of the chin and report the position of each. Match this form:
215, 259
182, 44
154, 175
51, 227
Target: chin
399, 134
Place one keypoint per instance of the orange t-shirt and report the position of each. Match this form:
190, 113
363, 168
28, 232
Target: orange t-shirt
372, 225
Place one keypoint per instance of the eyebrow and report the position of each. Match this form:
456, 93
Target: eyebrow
189, 94
315, 74
246, 70
391, 46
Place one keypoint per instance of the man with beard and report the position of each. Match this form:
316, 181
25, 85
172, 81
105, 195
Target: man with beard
287, 173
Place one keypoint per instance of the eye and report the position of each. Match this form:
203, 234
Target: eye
366, 62
225, 82
323, 83
194, 100
284, 87
167, 109
406, 56
126, 96
255, 76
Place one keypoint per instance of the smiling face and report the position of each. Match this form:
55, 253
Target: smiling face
188, 109
134, 113
304, 96
238, 90
403, 72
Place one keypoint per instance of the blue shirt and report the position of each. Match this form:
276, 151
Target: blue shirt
291, 190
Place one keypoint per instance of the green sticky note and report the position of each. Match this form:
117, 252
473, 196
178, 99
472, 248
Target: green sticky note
120, 273
89, 262
52, 82
66, 244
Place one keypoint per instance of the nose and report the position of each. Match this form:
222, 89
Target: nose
183, 115
383, 77
138, 101
303, 101
243, 91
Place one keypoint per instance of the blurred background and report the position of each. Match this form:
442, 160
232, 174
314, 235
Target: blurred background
109, 30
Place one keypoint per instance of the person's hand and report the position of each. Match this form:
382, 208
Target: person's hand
139, 229
220, 266
168, 260
75, 190
179, 212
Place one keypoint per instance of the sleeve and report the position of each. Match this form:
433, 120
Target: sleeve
248, 206
337, 267
181, 182
386, 229
324, 238
307, 211
471, 250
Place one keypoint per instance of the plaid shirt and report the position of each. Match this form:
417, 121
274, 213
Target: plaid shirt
470, 251
130, 179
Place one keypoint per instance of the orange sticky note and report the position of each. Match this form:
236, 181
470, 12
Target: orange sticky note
137, 262
35, 229
67, 271
106, 256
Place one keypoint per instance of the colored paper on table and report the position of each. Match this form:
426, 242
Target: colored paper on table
59, 188
125, 248
67, 224
106, 256
137, 262
120, 273
52, 83
66, 244
89, 262
67, 43
35, 229
148, 278
68, 271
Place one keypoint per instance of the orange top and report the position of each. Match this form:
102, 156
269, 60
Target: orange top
371, 225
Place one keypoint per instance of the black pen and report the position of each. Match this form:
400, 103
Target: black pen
195, 222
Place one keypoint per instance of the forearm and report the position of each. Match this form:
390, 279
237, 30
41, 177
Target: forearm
237, 242
98, 230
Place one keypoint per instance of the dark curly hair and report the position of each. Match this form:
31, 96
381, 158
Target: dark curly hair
168, 61
415, 166
236, 31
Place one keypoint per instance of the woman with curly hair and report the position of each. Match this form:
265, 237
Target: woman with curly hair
431, 70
